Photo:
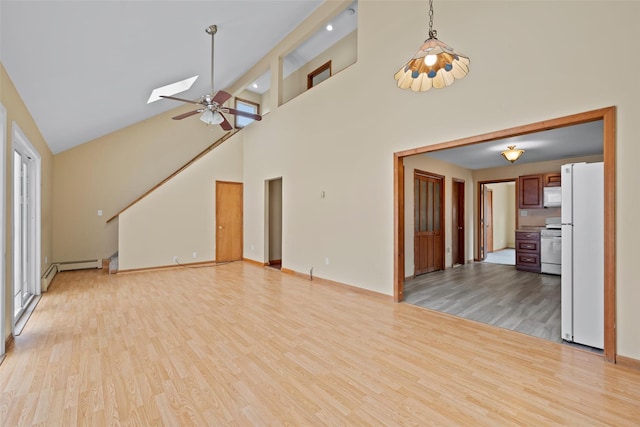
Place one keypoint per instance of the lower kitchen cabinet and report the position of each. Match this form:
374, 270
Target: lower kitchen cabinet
528, 251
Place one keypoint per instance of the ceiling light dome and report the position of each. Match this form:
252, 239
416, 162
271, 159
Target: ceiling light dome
511, 154
211, 117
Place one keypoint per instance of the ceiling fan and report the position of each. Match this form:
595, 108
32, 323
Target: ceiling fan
212, 104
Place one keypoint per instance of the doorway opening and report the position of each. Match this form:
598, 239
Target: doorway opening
606, 118
458, 248
273, 213
497, 221
26, 224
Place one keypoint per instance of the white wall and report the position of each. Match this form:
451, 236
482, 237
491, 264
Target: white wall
530, 61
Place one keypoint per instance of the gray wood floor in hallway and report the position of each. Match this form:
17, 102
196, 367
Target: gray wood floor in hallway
495, 294
240, 345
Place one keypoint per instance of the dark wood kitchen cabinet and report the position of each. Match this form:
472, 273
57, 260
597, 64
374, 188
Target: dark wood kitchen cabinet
551, 180
528, 251
530, 191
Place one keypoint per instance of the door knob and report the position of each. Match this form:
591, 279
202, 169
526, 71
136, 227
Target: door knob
219, 227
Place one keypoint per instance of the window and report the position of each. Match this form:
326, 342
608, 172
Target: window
247, 107
319, 75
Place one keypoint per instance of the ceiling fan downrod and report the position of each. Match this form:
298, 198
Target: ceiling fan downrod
212, 29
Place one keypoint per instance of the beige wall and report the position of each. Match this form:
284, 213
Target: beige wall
110, 172
18, 113
449, 171
340, 137
178, 218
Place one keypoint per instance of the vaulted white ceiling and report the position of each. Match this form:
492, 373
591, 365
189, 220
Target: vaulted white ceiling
86, 68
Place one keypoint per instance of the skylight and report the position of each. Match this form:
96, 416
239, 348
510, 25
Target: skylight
171, 89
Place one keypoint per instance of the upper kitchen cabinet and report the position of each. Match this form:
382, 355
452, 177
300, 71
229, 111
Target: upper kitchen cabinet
551, 179
530, 191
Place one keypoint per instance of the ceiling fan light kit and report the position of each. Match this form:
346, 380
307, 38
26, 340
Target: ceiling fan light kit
212, 104
211, 117
435, 64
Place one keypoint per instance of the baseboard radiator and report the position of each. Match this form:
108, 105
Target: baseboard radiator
79, 265
48, 277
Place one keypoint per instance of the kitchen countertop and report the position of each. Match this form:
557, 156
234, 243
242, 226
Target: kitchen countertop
531, 228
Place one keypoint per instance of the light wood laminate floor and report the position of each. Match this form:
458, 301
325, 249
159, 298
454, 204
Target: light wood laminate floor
244, 345
495, 294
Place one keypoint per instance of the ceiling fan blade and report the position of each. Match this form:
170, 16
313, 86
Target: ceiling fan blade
185, 115
225, 123
244, 114
221, 97
180, 99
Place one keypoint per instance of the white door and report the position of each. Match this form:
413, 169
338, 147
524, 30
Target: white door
23, 290
3, 150
26, 223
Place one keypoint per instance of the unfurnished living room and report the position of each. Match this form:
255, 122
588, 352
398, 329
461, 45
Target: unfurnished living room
221, 213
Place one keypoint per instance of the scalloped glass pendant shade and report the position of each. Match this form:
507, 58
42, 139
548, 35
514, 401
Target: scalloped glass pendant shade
435, 64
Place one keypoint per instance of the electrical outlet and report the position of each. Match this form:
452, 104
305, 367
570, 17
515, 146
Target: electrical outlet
195, 254
326, 261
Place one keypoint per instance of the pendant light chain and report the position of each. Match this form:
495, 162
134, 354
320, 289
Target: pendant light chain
432, 33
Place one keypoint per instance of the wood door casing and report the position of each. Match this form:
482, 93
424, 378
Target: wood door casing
488, 219
228, 221
608, 117
428, 222
457, 222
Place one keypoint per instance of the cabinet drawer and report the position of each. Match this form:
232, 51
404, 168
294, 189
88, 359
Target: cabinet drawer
527, 246
527, 235
526, 259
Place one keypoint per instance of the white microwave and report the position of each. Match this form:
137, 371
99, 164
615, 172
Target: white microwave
552, 197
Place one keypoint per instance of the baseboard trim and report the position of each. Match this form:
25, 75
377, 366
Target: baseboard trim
628, 362
8, 343
321, 281
168, 267
254, 262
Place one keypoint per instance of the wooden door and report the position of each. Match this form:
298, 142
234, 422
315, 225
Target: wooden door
457, 222
428, 223
228, 221
488, 217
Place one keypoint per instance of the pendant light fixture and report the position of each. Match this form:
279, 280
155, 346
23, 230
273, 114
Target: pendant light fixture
511, 155
435, 64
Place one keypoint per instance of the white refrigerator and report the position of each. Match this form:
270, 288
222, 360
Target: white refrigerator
582, 280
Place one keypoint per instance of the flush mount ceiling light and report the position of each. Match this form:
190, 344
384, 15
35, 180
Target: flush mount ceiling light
435, 64
511, 155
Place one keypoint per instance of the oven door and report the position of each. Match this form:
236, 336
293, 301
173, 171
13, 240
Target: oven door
550, 254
